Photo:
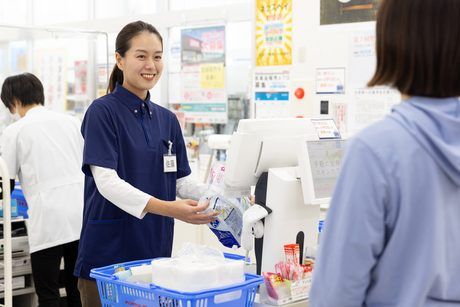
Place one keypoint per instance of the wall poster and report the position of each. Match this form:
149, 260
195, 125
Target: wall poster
330, 80
50, 68
361, 58
203, 92
273, 32
370, 105
271, 94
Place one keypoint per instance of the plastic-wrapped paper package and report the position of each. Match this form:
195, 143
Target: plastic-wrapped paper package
197, 268
216, 175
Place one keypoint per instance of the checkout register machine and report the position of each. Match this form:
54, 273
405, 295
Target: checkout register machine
293, 164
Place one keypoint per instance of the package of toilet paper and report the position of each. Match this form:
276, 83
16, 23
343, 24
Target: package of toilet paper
197, 268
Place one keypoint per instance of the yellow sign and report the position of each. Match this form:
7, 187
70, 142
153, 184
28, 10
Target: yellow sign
212, 75
273, 32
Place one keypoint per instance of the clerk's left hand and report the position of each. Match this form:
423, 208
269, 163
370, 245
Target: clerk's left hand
190, 211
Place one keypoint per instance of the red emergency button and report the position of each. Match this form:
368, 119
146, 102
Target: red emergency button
299, 93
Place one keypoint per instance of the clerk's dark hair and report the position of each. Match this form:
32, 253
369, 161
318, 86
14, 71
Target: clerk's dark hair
123, 43
418, 47
26, 88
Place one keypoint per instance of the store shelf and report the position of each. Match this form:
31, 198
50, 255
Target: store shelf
19, 239
22, 291
20, 246
22, 297
19, 272
14, 219
24, 271
15, 254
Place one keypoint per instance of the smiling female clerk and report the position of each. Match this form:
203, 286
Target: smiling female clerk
135, 162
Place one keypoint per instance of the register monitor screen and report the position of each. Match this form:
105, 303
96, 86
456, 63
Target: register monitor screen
260, 144
319, 165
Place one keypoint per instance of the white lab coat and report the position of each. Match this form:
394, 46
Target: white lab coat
44, 149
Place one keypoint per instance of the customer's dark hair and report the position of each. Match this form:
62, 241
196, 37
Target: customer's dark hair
26, 88
123, 43
418, 47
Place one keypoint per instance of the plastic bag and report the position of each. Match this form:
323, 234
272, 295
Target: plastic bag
199, 252
229, 223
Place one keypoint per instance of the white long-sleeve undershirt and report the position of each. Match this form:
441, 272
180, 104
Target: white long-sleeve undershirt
132, 200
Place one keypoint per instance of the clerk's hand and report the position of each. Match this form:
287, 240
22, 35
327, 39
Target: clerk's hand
190, 211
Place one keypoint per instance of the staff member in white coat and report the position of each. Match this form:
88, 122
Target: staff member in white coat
44, 149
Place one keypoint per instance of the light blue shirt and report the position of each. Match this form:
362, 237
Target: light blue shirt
392, 235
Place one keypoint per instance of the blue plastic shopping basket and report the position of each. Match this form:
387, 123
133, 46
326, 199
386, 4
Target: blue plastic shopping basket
115, 292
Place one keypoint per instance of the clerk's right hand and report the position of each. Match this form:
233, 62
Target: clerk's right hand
190, 211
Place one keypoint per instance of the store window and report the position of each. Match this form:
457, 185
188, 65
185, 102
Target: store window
176, 5
48, 12
116, 8
237, 77
65, 62
14, 12
238, 59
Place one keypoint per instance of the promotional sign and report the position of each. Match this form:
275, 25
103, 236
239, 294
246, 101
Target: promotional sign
370, 105
203, 93
273, 32
271, 94
212, 75
213, 113
361, 58
81, 76
330, 81
51, 70
203, 45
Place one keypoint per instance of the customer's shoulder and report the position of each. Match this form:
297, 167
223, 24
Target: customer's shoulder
385, 131
383, 140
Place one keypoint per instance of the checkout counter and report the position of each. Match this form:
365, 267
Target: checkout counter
293, 163
303, 303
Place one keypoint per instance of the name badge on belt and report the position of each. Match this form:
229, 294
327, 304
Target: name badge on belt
169, 160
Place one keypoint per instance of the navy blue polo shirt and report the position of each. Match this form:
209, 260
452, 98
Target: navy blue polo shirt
129, 135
